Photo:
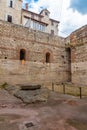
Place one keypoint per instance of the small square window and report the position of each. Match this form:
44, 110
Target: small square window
9, 18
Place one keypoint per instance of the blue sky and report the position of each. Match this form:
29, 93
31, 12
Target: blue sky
79, 5
72, 14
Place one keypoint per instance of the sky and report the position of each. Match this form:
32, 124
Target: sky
72, 14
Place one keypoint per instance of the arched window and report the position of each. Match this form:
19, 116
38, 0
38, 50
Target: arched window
22, 54
47, 57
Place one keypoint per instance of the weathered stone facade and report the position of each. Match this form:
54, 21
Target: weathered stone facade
31, 56
13, 10
40, 21
35, 69
78, 44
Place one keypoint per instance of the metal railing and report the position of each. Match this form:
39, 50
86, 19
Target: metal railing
69, 89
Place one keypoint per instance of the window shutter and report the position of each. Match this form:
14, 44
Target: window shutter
6, 17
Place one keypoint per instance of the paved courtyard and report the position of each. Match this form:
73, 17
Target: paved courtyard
60, 112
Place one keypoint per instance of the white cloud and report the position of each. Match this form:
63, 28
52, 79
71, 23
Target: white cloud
71, 20
59, 10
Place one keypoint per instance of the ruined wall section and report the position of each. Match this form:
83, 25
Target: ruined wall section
78, 40
36, 44
79, 65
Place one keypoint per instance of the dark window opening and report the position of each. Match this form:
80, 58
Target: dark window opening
68, 54
47, 57
52, 32
5, 57
11, 3
46, 13
22, 54
68, 51
9, 18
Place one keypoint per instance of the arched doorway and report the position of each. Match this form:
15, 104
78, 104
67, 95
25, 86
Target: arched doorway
22, 54
47, 57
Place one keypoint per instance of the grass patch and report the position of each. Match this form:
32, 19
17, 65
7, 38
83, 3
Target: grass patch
3, 85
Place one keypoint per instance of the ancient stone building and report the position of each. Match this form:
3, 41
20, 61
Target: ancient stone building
41, 21
76, 43
10, 10
31, 56
27, 55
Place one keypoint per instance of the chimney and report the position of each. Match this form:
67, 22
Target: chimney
26, 6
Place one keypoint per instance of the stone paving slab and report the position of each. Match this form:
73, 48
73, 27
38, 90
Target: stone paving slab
6, 97
60, 112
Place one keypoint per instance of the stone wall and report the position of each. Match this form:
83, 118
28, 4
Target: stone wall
79, 66
36, 44
78, 41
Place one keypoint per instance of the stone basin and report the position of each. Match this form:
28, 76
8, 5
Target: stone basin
30, 87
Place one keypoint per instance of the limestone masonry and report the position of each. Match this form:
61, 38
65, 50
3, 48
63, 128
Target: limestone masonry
31, 56
32, 52
78, 43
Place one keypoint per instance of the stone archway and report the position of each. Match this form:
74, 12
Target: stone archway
22, 54
48, 57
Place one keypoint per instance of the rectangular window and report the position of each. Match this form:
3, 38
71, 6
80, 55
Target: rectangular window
34, 25
52, 32
32, 15
9, 18
31, 24
11, 3
43, 28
